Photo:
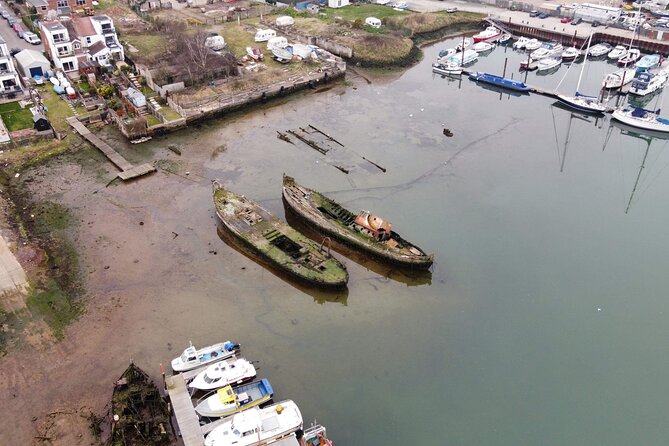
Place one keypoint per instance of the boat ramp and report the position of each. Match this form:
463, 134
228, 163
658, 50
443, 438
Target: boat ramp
128, 171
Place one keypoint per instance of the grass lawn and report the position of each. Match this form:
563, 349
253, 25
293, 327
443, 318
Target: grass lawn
152, 120
150, 46
15, 117
169, 114
58, 110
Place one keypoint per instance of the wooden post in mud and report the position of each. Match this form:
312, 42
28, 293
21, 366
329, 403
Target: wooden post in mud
504, 71
162, 373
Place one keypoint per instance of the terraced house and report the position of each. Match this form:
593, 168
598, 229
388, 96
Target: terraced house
69, 42
9, 79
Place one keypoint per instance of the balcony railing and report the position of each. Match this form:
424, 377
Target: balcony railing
65, 53
108, 31
61, 40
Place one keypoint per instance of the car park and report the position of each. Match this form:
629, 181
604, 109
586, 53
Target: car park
576, 21
565, 20
31, 38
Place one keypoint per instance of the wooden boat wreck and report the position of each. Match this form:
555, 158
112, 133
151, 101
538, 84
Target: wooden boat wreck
276, 242
363, 231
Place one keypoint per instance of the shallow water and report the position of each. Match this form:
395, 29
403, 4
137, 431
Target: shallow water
544, 318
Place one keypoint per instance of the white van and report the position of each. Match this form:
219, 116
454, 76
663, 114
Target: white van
285, 20
373, 22
277, 42
263, 35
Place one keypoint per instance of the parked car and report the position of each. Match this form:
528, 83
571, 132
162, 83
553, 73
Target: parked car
595, 24
12, 20
4, 14
31, 38
544, 15
576, 21
534, 13
565, 20
19, 29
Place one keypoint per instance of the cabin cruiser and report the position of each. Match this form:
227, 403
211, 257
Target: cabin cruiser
617, 53
648, 62
489, 33
482, 47
464, 58
599, 49
533, 44
520, 43
646, 83
571, 54
192, 357
548, 49
549, 63
619, 78
229, 371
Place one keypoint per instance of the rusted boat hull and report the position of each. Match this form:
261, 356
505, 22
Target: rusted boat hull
294, 200
278, 245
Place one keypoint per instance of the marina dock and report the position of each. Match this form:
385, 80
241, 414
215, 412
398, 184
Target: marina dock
184, 412
128, 171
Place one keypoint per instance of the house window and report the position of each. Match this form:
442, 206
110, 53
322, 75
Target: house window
88, 40
59, 38
81, 2
43, 8
8, 83
63, 51
62, 3
68, 66
4, 67
77, 46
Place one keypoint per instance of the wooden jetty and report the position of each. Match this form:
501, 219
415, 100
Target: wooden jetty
128, 171
184, 412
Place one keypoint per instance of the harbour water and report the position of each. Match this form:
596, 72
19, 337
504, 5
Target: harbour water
544, 319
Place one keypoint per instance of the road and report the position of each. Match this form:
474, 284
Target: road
7, 33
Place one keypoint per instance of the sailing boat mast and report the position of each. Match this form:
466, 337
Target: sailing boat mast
578, 85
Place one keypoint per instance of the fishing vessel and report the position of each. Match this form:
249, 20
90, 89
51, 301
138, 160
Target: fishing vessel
629, 58
276, 242
258, 426
648, 62
600, 49
642, 119
224, 373
192, 357
499, 81
646, 83
230, 400
489, 33
618, 78
363, 231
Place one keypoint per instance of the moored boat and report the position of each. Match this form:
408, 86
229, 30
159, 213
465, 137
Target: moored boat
548, 49
483, 46
599, 50
316, 435
533, 44
520, 43
224, 373
258, 426
648, 62
582, 102
489, 33
617, 52
447, 52
464, 58
499, 81
642, 118
230, 400
276, 242
571, 54
363, 231
629, 58
504, 39
618, 78
549, 63
192, 357
447, 68
646, 83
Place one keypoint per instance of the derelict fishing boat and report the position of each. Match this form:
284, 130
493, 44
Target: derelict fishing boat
363, 231
276, 242
192, 357
224, 373
230, 400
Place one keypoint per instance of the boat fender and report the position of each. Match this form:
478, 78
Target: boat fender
279, 409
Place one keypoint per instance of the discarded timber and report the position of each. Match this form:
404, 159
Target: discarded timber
326, 135
284, 137
308, 142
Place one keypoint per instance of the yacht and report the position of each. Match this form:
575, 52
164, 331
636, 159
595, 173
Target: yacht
631, 57
642, 118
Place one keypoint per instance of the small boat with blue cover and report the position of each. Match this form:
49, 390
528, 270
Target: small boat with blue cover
192, 357
642, 119
230, 400
499, 81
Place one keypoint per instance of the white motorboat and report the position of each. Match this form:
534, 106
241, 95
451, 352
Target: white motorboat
600, 49
619, 78
446, 52
533, 44
504, 39
617, 53
489, 33
629, 58
447, 68
466, 43
192, 357
548, 49
571, 54
283, 55
229, 371
648, 62
482, 47
230, 400
642, 118
549, 63
258, 426
520, 43
464, 58
646, 83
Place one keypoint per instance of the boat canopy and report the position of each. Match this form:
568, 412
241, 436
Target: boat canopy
226, 395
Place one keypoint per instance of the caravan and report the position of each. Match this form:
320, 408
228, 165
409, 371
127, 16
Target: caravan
373, 22
263, 35
277, 42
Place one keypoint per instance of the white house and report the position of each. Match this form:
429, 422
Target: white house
71, 41
9, 79
338, 3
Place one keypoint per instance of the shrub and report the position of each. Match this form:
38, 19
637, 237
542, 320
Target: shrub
106, 91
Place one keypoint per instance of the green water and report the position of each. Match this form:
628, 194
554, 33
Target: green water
544, 321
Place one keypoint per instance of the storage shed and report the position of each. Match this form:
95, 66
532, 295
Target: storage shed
40, 123
31, 63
